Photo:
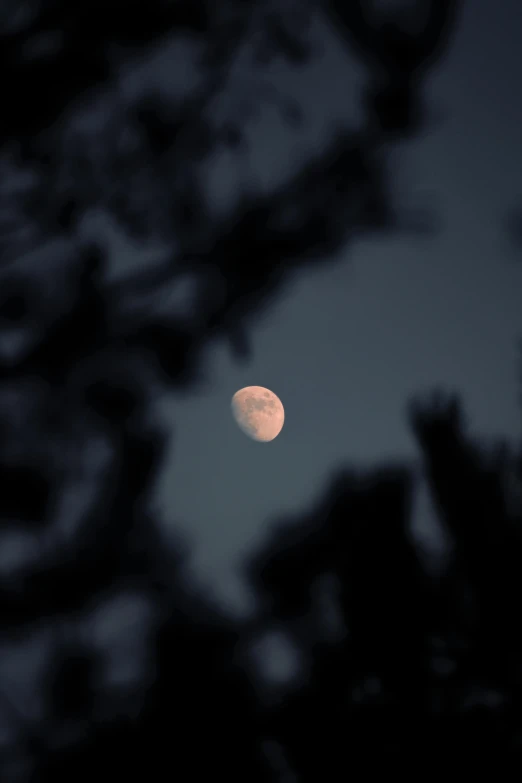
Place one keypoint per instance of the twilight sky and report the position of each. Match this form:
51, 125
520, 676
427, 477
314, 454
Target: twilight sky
346, 347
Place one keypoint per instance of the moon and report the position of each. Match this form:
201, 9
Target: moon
259, 413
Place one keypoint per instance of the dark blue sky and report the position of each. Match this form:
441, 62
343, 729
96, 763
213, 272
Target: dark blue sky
347, 346
344, 349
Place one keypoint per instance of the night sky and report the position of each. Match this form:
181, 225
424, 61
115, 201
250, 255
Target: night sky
347, 346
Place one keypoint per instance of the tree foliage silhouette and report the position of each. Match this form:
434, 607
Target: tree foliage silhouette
84, 356
418, 661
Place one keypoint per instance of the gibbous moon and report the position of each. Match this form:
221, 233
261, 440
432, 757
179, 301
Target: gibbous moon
259, 412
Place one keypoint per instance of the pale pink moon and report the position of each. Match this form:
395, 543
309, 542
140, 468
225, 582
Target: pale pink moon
259, 412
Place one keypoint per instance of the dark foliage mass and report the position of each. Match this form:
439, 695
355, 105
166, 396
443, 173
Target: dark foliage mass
394, 655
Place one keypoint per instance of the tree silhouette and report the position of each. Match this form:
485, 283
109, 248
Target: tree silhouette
409, 659
429, 662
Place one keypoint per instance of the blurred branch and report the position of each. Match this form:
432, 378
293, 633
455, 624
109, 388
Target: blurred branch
397, 58
339, 195
385, 44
